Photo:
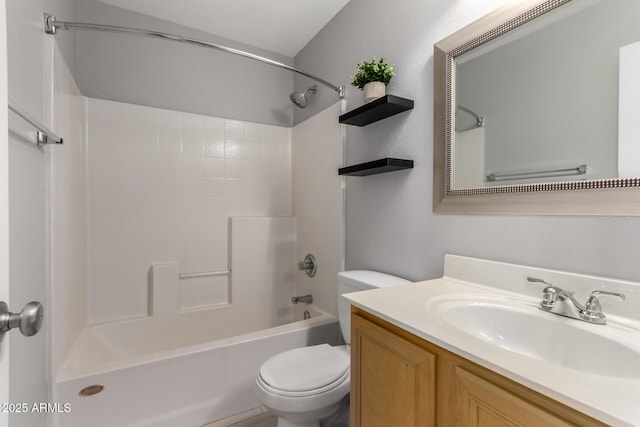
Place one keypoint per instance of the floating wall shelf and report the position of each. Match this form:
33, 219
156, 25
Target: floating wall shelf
379, 109
376, 166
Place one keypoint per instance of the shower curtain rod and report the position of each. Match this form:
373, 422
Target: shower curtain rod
479, 119
51, 25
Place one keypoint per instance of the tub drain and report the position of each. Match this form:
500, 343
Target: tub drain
91, 390
307, 315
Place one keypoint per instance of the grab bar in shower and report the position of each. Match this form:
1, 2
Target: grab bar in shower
204, 274
579, 170
44, 135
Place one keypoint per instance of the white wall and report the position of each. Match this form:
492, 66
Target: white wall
629, 111
162, 185
40, 80
390, 225
317, 151
28, 278
4, 208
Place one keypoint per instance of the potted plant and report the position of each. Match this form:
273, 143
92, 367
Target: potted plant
373, 77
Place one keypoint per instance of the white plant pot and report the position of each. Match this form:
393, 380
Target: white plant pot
373, 90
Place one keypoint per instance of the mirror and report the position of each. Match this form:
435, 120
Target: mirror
536, 110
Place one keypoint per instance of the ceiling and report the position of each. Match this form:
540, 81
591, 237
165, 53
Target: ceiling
282, 26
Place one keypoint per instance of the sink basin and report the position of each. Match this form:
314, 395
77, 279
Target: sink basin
523, 329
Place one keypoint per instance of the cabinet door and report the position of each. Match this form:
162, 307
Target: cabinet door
483, 404
392, 379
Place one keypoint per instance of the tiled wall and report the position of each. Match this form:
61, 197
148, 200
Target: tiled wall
161, 187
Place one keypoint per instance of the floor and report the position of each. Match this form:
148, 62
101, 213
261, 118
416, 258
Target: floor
261, 417
265, 420
258, 417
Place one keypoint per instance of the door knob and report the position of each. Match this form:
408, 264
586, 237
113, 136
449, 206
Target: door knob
29, 320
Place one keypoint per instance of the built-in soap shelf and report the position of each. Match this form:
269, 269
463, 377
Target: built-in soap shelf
377, 166
381, 108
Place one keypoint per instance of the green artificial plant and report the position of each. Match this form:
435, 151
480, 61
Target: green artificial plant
374, 71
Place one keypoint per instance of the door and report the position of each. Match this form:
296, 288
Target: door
23, 257
4, 210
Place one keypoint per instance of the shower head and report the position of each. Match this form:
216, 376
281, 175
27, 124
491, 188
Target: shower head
300, 99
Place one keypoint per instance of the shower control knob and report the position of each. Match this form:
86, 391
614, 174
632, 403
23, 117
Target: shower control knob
29, 320
309, 265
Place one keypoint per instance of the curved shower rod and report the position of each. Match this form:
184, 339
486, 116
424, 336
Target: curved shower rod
479, 119
51, 26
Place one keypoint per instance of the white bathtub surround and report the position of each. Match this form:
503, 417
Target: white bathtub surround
573, 370
263, 270
469, 159
175, 383
254, 297
191, 264
172, 294
189, 365
66, 179
255, 289
318, 194
628, 108
162, 185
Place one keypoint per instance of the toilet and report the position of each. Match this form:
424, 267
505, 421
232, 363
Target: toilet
305, 385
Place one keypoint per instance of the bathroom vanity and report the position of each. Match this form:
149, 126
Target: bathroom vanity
401, 379
461, 352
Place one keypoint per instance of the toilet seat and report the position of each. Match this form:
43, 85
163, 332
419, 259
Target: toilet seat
305, 371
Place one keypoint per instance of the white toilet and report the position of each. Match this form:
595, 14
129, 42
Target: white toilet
304, 385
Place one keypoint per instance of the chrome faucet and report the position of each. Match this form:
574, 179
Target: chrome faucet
307, 299
559, 301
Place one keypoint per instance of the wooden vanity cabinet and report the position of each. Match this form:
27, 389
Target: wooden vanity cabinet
392, 379
401, 380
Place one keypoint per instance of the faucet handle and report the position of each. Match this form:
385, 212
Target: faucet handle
549, 287
617, 296
549, 293
536, 280
593, 309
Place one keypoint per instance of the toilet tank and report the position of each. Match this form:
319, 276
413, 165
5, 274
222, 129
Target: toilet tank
359, 280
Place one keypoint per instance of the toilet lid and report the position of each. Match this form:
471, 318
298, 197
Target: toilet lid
306, 368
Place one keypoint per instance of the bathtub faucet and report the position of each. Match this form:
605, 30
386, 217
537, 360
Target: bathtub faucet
307, 299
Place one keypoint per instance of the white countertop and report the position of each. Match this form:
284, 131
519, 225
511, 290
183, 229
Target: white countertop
611, 399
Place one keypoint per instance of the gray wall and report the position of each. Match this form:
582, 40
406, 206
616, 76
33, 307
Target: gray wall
176, 76
390, 225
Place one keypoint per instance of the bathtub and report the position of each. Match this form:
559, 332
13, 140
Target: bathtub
189, 377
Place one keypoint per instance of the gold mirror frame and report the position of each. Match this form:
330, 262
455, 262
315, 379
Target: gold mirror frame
616, 196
